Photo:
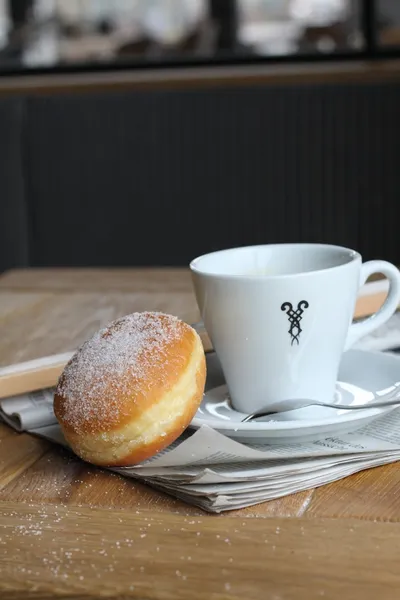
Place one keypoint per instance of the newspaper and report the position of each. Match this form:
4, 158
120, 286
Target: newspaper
29, 411
384, 338
216, 473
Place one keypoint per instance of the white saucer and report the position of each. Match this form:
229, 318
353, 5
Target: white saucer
361, 373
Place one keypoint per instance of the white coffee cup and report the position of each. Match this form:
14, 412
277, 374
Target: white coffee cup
280, 316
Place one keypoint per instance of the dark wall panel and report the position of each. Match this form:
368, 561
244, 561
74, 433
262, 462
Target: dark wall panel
157, 177
14, 235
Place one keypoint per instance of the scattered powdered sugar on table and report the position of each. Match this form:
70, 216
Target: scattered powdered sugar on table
107, 366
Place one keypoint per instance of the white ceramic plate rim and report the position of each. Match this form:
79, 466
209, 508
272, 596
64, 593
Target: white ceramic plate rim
277, 426
285, 425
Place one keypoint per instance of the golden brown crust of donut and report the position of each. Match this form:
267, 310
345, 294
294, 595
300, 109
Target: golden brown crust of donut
132, 389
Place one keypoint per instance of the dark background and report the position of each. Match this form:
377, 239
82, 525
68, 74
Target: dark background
156, 174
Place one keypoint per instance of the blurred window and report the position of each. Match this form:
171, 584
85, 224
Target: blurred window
388, 23
64, 33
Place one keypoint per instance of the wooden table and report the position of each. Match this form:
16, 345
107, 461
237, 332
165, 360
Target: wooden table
68, 530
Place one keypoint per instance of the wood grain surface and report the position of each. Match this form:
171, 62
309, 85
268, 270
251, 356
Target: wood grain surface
143, 554
70, 530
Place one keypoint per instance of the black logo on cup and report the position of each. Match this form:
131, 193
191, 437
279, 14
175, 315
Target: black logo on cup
295, 316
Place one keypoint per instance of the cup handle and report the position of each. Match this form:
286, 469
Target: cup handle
359, 330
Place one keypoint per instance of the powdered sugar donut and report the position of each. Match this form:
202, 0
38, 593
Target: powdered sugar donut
131, 389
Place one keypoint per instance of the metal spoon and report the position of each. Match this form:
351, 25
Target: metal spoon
287, 405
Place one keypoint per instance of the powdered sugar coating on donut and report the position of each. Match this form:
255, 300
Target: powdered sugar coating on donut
104, 368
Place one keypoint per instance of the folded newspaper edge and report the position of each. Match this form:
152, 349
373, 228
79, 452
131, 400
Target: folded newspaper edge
216, 473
